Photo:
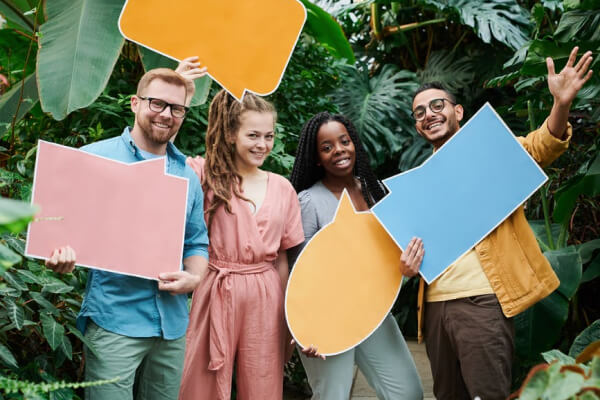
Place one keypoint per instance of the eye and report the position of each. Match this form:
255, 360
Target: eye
326, 148
345, 141
269, 136
252, 135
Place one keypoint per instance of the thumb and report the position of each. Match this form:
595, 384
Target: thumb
169, 276
550, 66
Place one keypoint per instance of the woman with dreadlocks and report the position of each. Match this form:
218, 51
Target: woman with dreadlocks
331, 158
253, 217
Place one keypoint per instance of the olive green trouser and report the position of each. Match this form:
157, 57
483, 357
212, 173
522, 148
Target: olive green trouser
150, 367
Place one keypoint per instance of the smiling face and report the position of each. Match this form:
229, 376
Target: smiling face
152, 129
437, 128
335, 150
254, 139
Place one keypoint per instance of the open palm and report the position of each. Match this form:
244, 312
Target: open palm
565, 85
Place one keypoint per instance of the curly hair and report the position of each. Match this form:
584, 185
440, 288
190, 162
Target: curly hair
221, 174
306, 170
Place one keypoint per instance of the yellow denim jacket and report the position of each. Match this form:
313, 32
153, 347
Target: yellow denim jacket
511, 258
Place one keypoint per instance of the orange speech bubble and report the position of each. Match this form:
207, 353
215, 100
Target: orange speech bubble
344, 282
245, 45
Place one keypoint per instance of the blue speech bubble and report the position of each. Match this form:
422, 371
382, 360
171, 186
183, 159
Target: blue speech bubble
461, 193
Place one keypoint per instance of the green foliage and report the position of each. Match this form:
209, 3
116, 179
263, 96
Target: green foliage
377, 106
327, 31
79, 46
504, 20
588, 336
34, 390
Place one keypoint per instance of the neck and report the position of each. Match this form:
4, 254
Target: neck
247, 171
147, 145
339, 183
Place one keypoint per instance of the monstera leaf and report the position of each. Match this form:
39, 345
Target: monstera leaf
376, 105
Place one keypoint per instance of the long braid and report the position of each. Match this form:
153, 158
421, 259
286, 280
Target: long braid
221, 175
306, 171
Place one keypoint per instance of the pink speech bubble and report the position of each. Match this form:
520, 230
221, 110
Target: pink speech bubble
119, 217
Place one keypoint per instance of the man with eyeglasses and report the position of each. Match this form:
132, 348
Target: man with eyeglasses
137, 326
469, 333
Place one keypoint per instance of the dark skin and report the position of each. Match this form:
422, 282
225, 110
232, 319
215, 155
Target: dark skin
337, 156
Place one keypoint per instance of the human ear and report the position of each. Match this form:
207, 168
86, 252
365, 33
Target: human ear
135, 101
459, 111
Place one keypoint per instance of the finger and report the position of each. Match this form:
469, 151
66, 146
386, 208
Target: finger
169, 276
572, 57
582, 60
584, 67
62, 259
588, 76
550, 66
190, 59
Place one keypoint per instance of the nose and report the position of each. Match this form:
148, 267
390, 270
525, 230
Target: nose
339, 148
166, 113
260, 142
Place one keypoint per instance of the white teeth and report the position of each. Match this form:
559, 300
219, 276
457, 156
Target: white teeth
435, 125
343, 162
161, 125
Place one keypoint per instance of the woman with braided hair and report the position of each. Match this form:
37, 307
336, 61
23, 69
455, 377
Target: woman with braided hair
331, 158
253, 217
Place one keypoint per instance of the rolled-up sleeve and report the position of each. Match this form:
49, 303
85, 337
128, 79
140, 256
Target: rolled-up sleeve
545, 147
196, 234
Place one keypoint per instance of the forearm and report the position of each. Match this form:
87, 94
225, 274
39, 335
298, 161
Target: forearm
196, 265
558, 118
282, 268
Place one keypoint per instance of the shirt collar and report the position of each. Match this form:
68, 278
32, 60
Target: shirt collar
172, 151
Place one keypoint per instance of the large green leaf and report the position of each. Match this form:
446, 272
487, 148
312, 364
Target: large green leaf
585, 338
151, 60
535, 62
443, 66
79, 46
7, 357
579, 25
376, 105
539, 229
10, 100
53, 331
326, 30
15, 313
539, 327
8, 258
586, 184
504, 20
592, 271
15, 215
14, 11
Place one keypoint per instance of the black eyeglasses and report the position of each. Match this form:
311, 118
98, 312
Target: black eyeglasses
158, 105
435, 105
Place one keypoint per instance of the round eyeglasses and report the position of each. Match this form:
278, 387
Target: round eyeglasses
158, 106
435, 105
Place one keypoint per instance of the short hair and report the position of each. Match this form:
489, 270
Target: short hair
434, 85
164, 74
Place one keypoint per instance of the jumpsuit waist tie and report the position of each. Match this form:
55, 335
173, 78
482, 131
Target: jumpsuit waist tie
221, 306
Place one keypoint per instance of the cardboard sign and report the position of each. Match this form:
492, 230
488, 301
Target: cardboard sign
119, 217
245, 45
344, 282
461, 193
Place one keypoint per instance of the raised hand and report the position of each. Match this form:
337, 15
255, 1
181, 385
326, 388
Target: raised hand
190, 69
565, 85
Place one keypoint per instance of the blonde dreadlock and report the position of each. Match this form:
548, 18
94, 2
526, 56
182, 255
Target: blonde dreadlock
221, 174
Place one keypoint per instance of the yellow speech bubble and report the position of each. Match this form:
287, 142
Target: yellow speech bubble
245, 44
344, 282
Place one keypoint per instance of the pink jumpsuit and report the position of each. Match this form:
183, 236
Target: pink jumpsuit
237, 311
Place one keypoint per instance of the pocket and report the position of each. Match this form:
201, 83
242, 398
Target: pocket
92, 330
484, 300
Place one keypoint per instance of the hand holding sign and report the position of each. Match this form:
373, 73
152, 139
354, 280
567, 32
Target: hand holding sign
245, 45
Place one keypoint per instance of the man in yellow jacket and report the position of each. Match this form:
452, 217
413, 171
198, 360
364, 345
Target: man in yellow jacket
469, 334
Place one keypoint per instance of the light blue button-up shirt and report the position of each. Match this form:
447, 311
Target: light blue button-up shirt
133, 306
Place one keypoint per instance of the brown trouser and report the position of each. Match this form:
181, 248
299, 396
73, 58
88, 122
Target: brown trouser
470, 346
